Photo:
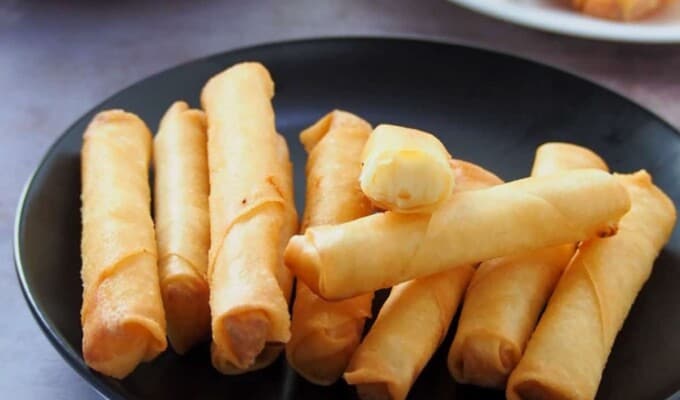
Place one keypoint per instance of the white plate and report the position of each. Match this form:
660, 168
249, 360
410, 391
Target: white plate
556, 16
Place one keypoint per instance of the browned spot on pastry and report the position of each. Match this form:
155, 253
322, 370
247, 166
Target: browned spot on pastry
608, 231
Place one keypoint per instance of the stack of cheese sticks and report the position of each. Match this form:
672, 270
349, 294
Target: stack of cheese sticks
385, 208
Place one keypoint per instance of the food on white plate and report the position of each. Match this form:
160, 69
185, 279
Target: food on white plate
621, 10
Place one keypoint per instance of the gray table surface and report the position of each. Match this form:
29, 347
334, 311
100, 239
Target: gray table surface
59, 58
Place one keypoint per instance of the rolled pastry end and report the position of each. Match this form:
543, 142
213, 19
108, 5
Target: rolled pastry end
303, 259
115, 340
374, 391
116, 351
405, 170
251, 73
185, 297
266, 357
532, 389
247, 334
312, 358
311, 136
370, 385
553, 157
487, 360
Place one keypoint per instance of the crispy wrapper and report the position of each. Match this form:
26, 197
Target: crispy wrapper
409, 328
340, 261
122, 312
414, 319
507, 294
325, 334
182, 225
252, 214
567, 352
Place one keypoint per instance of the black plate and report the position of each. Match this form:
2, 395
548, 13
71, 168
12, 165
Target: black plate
489, 108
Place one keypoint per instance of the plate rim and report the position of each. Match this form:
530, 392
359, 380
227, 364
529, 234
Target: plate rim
514, 15
45, 323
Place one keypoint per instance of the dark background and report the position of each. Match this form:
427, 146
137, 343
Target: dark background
59, 58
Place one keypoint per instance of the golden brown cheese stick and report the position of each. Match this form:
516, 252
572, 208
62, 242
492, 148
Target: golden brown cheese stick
340, 261
182, 224
122, 312
413, 321
405, 170
507, 294
324, 334
568, 351
272, 349
409, 328
251, 217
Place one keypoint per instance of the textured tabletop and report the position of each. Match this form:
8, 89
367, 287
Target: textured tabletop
59, 58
